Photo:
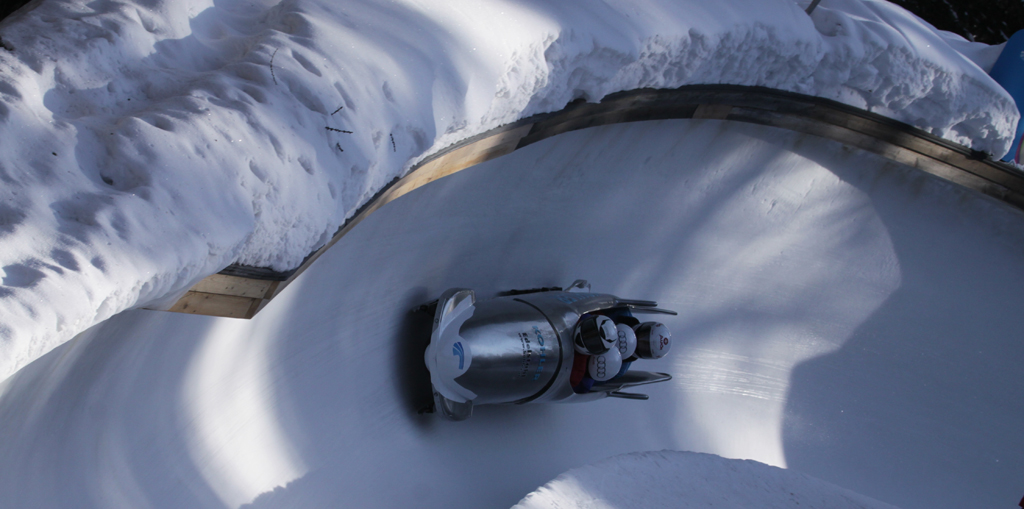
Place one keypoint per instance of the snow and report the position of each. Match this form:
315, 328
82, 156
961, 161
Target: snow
682, 480
148, 144
841, 316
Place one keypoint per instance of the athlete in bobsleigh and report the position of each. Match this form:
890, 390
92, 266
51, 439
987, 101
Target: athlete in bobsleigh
533, 346
617, 341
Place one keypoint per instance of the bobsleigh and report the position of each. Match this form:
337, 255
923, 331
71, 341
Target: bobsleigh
520, 348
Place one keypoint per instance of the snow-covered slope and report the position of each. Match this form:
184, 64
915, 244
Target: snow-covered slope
147, 144
684, 480
839, 315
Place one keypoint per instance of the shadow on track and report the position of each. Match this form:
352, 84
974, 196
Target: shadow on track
413, 378
920, 407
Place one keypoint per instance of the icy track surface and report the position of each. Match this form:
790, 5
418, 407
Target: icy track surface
680, 480
147, 144
839, 315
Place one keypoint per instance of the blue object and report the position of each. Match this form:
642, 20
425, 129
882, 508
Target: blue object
623, 369
584, 386
1008, 71
461, 352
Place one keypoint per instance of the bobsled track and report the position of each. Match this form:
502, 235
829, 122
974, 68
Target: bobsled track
840, 314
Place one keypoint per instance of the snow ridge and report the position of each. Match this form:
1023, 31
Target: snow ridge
148, 144
681, 480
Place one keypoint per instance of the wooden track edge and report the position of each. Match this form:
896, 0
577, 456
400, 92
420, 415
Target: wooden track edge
241, 291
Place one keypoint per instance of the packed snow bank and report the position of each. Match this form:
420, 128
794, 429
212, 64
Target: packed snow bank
147, 144
680, 480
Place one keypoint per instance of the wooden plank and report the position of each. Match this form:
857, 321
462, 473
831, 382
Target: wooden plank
893, 131
235, 285
878, 146
459, 159
713, 111
599, 115
485, 149
211, 304
917, 143
210, 296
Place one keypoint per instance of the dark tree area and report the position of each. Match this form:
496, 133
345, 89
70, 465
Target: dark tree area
987, 21
9, 6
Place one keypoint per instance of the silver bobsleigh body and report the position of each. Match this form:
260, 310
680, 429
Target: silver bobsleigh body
517, 349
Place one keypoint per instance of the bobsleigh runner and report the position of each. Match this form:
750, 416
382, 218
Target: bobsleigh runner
546, 345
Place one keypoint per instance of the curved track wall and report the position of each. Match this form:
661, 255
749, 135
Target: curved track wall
241, 292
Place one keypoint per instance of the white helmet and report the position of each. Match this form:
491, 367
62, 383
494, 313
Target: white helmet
605, 366
627, 340
594, 335
653, 340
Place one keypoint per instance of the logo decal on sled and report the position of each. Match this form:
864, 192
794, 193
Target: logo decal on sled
457, 350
